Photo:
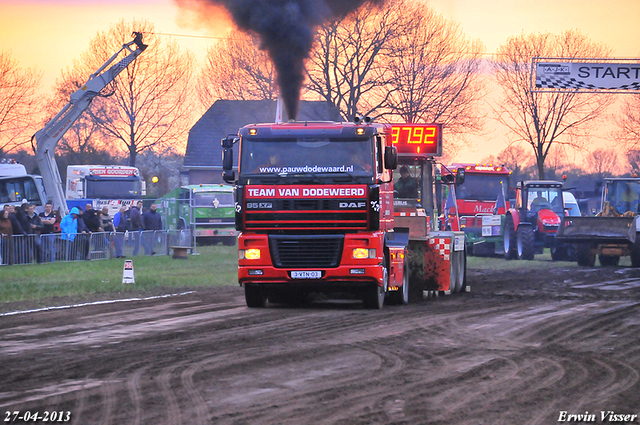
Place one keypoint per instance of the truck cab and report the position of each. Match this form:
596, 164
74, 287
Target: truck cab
208, 210
314, 205
17, 186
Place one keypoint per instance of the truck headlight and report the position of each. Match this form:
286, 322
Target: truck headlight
364, 253
249, 254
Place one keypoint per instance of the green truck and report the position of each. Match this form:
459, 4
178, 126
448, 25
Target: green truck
208, 210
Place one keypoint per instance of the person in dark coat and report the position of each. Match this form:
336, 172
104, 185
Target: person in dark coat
151, 221
34, 227
135, 215
48, 218
92, 219
122, 224
19, 243
84, 237
15, 223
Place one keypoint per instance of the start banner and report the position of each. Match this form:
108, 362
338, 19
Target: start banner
564, 75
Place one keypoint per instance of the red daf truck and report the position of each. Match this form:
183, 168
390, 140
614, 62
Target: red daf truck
477, 202
315, 208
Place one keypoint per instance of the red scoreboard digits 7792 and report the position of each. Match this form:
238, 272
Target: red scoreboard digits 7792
420, 139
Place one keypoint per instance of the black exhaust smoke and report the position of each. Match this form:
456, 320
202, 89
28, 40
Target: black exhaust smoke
286, 29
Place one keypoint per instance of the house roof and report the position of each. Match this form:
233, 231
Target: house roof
225, 117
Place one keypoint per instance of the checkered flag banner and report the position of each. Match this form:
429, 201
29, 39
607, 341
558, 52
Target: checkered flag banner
601, 76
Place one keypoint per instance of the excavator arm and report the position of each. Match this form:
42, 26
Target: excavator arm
48, 137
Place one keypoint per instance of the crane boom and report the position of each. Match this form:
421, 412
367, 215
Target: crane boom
48, 137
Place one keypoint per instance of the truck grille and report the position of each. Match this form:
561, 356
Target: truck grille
322, 251
216, 221
307, 213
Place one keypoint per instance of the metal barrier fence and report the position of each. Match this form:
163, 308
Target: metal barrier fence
28, 249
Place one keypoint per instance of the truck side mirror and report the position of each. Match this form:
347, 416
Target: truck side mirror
228, 142
228, 175
460, 175
390, 157
227, 159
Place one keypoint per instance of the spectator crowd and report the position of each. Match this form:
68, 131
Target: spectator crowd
48, 236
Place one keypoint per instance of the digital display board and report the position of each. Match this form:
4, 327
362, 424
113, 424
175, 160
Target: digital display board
417, 139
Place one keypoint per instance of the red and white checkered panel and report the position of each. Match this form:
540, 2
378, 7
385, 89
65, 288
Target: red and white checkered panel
442, 246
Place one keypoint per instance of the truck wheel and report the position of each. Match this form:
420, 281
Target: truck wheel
584, 255
373, 297
558, 254
509, 239
459, 270
608, 260
526, 243
401, 297
635, 252
462, 272
255, 296
229, 241
453, 272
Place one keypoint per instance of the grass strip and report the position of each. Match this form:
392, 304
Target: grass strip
213, 266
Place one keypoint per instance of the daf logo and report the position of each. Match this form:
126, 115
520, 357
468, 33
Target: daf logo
375, 205
352, 204
238, 207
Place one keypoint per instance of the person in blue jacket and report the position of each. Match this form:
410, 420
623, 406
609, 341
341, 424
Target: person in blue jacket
69, 229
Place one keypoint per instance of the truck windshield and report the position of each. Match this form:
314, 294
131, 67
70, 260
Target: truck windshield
16, 189
113, 189
481, 187
304, 156
623, 195
207, 199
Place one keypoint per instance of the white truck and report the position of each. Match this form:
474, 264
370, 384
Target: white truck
16, 186
112, 186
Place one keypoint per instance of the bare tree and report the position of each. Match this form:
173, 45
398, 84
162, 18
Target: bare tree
18, 98
545, 119
603, 161
165, 165
347, 66
628, 132
236, 69
435, 73
558, 160
515, 158
633, 158
147, 106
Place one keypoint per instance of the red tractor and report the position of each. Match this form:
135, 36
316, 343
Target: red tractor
532, 224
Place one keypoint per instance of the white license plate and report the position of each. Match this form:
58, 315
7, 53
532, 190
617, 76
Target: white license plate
306, 274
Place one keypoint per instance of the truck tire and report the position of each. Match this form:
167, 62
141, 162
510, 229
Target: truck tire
460, 270
509, 239
526, 243
635, 252
584, 255
373, 297
558, 254
401, 297
229, 241
609, 260
255, 296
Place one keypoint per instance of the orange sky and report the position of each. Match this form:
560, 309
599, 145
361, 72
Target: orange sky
50, 34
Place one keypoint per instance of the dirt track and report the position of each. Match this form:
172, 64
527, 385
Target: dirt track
513, 351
